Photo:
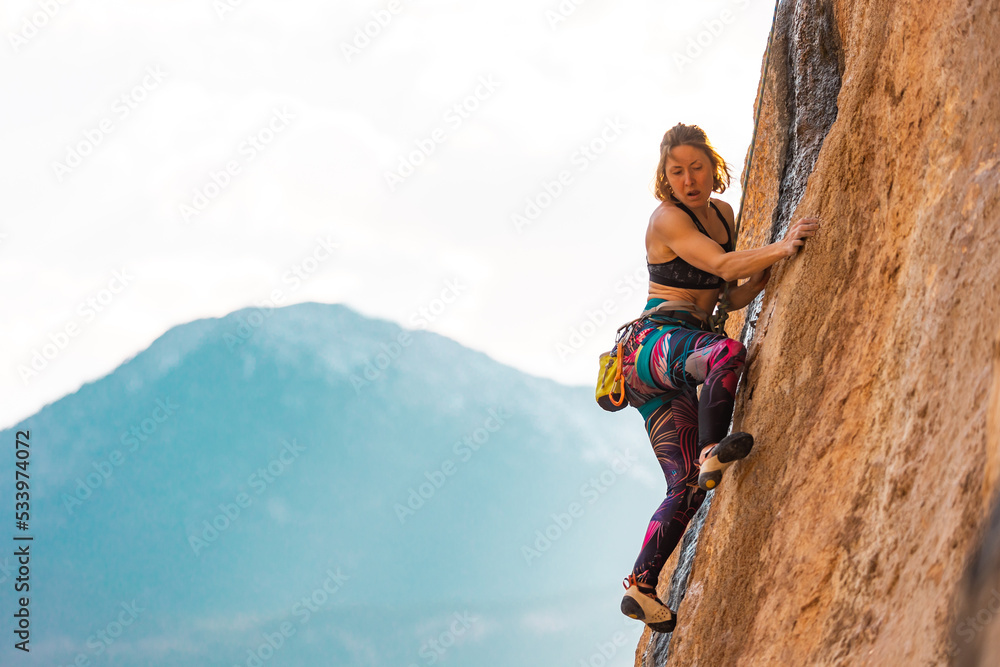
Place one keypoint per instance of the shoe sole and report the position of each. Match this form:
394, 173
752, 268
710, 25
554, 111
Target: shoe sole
730, 449
632, 609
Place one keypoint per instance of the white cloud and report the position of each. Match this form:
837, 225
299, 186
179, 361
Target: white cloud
546, 621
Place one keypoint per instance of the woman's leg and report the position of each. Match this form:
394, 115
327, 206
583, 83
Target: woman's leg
685, 358
673, 431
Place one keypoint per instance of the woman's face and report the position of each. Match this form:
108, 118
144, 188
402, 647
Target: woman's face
689, 173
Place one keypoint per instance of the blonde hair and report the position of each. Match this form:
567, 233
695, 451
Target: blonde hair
689, 135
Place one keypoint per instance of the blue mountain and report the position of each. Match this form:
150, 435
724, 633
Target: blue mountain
308, 486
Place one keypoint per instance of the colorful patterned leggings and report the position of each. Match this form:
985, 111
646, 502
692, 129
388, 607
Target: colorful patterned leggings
678, 429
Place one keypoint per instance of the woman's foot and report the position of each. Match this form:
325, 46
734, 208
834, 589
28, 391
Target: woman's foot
640, 602
715, 460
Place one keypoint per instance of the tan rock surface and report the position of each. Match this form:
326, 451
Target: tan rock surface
873, 380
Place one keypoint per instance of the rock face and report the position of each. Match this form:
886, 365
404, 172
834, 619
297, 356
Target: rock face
873, 377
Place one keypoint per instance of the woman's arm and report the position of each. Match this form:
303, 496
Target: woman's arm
674, 228
740, 297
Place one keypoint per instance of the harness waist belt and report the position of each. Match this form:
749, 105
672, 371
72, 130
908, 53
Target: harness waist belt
683, 316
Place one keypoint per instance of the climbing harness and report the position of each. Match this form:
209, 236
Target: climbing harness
610, 378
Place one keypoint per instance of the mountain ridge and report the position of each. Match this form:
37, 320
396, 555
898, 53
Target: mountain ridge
212, 480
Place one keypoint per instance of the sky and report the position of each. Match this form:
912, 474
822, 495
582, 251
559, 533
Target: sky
480, 170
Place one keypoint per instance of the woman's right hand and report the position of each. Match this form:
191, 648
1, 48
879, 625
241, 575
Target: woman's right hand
798, 233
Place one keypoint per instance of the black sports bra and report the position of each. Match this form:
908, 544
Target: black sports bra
678, 273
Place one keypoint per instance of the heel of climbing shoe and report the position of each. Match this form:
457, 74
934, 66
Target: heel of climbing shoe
730, 449
647, 608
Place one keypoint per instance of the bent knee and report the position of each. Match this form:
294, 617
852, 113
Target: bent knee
731, 350
725, 354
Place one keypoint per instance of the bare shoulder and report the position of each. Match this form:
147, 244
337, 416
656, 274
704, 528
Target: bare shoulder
726, 209
668, 219
667, 225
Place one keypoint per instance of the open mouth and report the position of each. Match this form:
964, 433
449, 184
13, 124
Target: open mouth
693, 193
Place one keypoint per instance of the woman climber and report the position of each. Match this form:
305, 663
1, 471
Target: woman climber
667, 353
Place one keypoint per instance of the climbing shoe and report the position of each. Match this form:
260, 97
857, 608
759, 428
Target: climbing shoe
730, 449
642, 604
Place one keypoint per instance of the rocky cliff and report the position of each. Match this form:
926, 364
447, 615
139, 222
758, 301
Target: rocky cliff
873, 379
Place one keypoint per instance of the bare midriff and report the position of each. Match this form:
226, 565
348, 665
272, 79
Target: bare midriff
703, 298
